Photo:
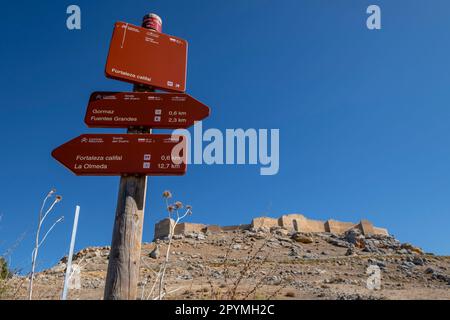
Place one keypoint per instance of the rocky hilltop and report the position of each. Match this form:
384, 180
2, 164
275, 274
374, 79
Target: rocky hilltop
264, 263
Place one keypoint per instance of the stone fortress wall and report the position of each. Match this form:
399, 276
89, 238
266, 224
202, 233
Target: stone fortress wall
291, 222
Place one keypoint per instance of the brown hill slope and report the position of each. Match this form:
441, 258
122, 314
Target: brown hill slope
263, 264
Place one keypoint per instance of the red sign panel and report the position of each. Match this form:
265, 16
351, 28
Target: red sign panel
140, 55
120, 154
143, 109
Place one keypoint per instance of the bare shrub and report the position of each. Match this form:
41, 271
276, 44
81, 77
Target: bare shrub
174, 214
235, 286
43, 214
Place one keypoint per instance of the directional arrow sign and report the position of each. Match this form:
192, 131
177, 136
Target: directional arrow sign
120, 154
143, 109
140, 55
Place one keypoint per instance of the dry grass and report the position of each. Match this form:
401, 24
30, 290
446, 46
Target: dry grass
248, 282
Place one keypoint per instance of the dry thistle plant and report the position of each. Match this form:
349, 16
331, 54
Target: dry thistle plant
43, 214
173, 211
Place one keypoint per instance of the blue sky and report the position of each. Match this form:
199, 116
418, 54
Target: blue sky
363, 115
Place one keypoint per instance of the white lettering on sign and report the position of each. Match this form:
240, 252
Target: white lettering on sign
123, 73
91, 166
131, 97
93, 118
144, 78
125, 119
175, 41
99, 158
106, 97
132, 29
131, 75
116, 119
100, 111
95, 166
91, 140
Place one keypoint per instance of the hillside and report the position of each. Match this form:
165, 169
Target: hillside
262, 263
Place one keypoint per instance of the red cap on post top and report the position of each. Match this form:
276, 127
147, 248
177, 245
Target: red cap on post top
152, 21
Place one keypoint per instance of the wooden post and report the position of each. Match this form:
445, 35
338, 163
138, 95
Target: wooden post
124, 258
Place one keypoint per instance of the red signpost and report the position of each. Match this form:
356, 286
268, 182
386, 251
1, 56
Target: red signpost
122, 154
149, 59
133, 53
143, 109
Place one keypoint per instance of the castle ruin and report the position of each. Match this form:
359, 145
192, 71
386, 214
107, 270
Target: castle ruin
291, 222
